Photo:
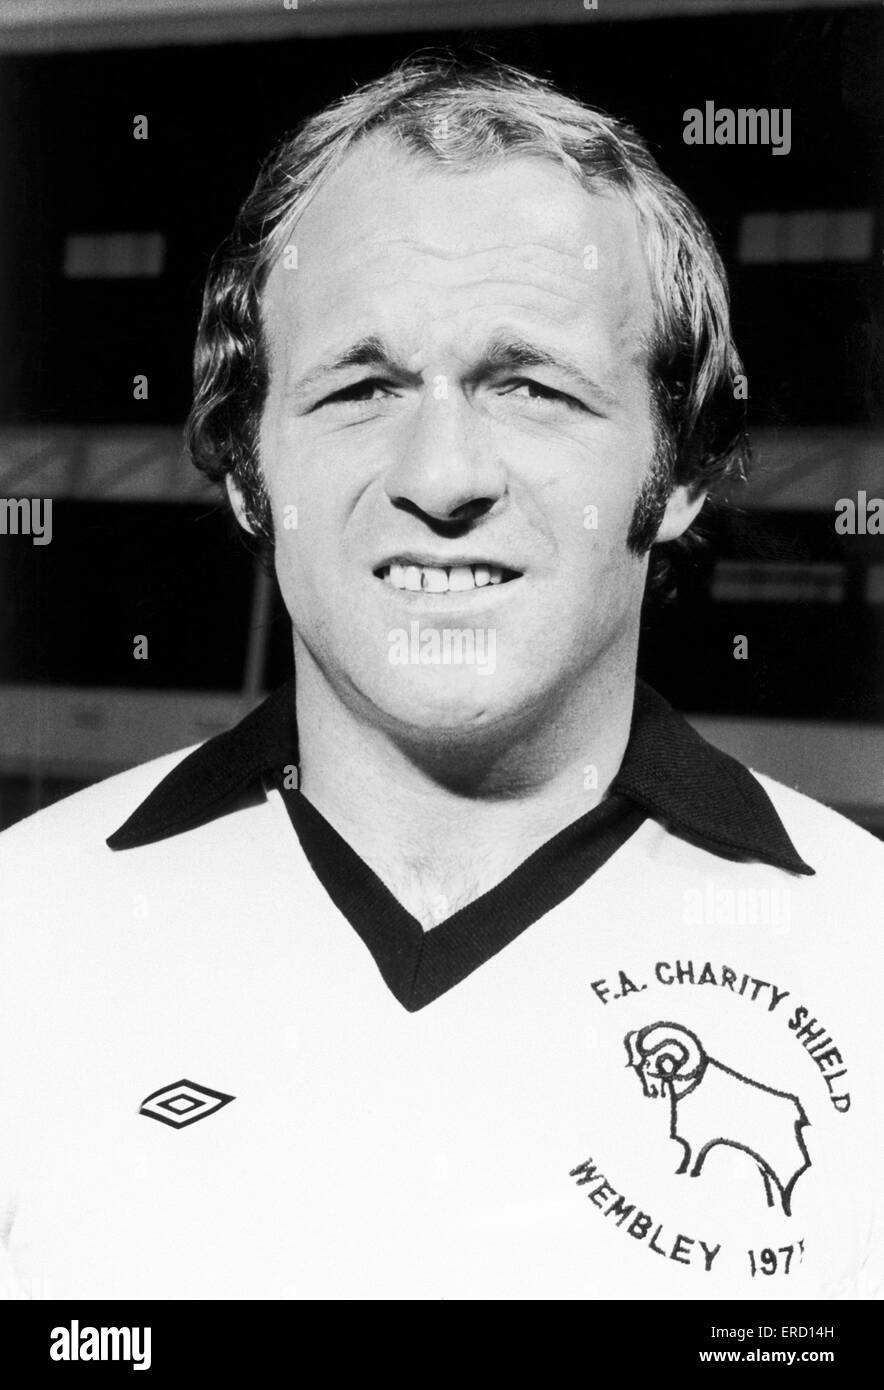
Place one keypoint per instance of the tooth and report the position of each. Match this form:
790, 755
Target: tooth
495, 576
460, 577
435, 581
482, 575
412, 577
397, 576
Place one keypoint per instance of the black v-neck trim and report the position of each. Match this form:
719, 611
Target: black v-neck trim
668, 772
418, 966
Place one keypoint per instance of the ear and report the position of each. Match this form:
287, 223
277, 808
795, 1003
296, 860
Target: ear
238, 504
682, 510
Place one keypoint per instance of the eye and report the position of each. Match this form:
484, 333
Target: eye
360, 393
542, 396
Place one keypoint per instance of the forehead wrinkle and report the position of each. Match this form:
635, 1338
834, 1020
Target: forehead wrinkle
547, 301
501, 248
580, 226
506, 262
612, 310
563, 208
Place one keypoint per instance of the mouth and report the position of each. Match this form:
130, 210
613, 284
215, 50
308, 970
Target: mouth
416, 577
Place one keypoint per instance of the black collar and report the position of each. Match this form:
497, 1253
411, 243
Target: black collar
668, 773
674, 775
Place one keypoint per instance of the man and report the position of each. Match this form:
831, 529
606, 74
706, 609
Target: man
463, 968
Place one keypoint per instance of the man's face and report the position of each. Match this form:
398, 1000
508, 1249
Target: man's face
457, 427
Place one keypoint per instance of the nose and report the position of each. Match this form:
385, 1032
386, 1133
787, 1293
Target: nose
446, 470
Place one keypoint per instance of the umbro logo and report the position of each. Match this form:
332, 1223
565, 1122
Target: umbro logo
183, 1103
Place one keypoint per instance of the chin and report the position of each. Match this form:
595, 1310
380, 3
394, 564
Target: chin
444, 700
422, 704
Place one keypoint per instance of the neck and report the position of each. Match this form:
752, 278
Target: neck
442, 825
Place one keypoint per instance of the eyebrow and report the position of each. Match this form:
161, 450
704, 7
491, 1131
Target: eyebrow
512, 353
502, 353
370, 351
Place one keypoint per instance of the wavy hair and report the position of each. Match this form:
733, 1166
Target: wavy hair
460, 116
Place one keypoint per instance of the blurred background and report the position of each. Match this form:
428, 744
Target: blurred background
104, 242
